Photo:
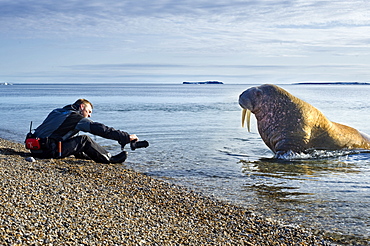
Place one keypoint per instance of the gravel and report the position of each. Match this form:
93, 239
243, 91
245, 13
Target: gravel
78, 202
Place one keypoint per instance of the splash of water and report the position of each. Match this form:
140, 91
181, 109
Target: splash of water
316, 154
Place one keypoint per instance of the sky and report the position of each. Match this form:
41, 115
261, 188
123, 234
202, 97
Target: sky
171, 41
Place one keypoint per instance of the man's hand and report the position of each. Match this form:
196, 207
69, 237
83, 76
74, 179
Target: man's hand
133, 137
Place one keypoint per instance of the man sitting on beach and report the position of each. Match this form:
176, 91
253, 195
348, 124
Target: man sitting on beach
57, 135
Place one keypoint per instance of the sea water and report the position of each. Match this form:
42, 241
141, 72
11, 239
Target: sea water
196, 140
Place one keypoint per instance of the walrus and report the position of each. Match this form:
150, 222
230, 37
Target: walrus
289, 124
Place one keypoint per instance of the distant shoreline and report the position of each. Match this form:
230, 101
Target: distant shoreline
202, 83
332, 83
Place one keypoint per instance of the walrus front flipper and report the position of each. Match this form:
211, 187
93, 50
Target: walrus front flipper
285, 155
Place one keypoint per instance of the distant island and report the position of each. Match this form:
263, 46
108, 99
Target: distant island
6, 83
332, 83
203, 83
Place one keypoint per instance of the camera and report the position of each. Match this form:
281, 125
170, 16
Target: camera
138, 144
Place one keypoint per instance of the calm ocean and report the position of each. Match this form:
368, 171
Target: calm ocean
196, 140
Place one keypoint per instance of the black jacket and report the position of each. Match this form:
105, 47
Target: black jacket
63, 123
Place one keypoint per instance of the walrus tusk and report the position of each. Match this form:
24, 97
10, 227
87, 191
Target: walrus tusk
248, 113
244, 111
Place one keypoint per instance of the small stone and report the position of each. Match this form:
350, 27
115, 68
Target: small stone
30, 159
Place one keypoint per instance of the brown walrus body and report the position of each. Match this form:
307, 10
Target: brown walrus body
287, 123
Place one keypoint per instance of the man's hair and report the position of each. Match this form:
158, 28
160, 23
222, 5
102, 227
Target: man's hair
82, 101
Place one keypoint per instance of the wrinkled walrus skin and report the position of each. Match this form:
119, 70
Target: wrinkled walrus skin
287, 123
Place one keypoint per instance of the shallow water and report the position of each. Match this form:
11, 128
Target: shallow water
196, 140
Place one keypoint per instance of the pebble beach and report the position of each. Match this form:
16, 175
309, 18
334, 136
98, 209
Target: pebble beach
78, 202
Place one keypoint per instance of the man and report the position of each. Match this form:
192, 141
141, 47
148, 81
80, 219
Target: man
57, 135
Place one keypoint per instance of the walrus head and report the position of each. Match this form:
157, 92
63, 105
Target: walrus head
249, 101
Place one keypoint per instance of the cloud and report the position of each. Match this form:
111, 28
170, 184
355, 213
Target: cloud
176, 73
189, 36
231, 22
70, 14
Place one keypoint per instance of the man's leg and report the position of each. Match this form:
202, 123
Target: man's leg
85, 144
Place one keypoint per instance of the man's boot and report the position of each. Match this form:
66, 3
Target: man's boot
121, 157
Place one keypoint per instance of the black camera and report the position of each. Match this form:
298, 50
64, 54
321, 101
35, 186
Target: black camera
138, 144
